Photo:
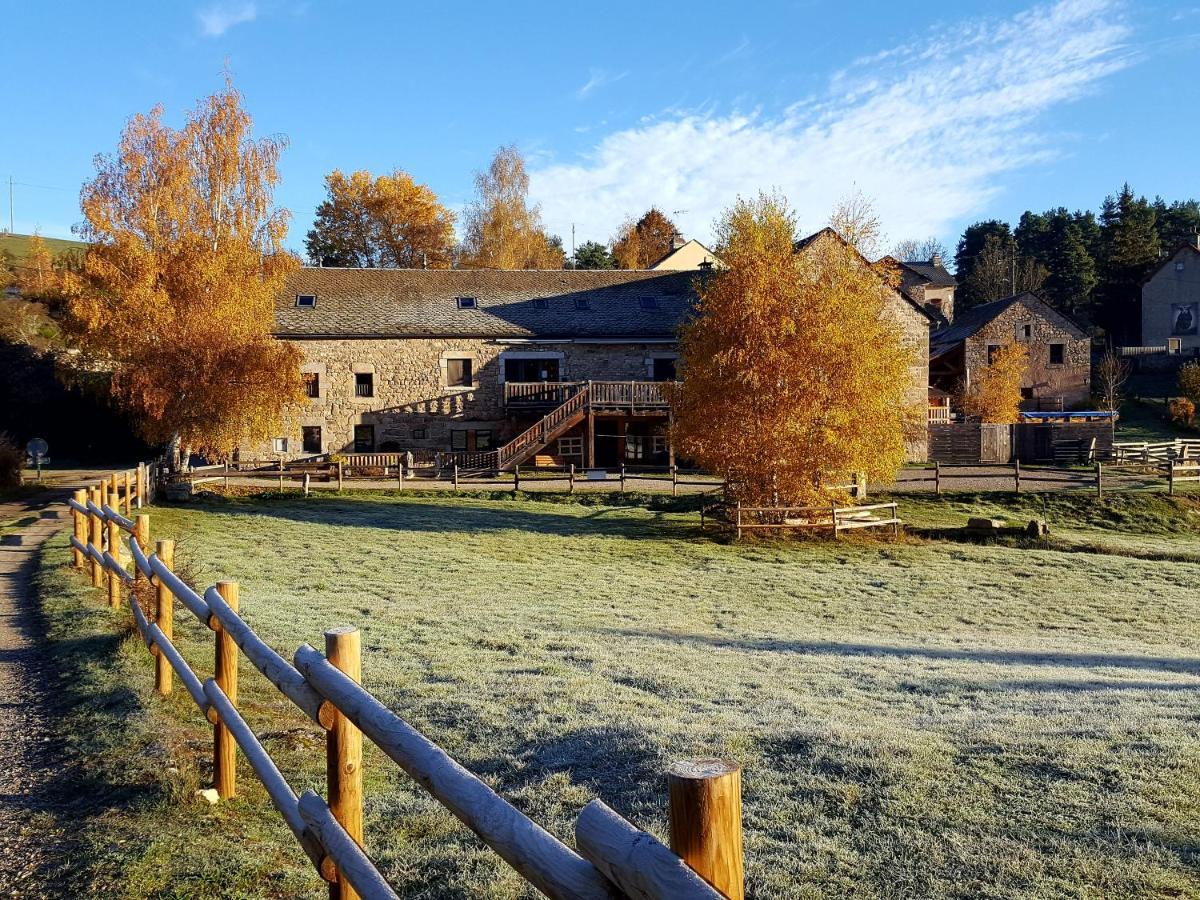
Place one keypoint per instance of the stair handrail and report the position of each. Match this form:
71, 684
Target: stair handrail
546, 424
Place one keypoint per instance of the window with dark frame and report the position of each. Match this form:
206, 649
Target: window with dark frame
1027, 393
312, 384
310, 436
540, 303
1058, 354
483, 440
364, 384
418, 434
582, 303
458, 373
364, 438
466, 302
306, 300
992, 350
526, 369
458, 440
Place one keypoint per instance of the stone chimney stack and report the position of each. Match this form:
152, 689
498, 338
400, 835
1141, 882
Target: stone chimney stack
937, 259
677, 241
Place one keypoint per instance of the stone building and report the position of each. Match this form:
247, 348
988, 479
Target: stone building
1060, 361
1171, 302
500, 367
929, 285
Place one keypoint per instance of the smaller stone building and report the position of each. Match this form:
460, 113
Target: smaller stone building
1171, 302
1060, 356
929, 285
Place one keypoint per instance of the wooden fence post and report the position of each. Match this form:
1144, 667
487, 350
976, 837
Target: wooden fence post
95, 537
281, 482
225, 483
306, 479
225, 674
833, 519
102, 500
622, 478
141, 485
937, 478
80, 523
571, 479
456, 476
164, 618
516, 478
339, 465
674, 480
343, 750
738, 525
1017, 474
128, 493
114, 580
114, 493
1099, 479
706, 821
141, 534
1170, 477
399, 476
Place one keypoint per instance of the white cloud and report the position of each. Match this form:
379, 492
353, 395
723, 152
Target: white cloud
597, 78
926, 129
216, 20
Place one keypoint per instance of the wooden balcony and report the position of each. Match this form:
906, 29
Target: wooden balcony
615, 396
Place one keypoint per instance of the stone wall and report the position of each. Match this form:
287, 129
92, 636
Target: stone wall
413, 407
1048, 382
913, 328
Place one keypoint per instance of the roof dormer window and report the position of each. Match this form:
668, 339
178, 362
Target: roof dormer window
541, 303
306, 300
466, 302
582, 303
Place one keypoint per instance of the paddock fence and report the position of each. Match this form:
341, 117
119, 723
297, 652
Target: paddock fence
614, 858
831, 519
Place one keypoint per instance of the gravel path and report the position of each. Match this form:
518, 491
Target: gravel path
29, 748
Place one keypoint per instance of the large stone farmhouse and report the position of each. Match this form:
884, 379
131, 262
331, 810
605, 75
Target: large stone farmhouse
1171, 302
929, 285
497, 368
1060, 364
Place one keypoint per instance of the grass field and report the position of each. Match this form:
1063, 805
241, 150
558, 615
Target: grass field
923, 718
18, 245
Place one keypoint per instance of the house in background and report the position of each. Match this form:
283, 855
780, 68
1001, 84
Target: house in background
687, 255
1171, 303
1060, 360
929, 285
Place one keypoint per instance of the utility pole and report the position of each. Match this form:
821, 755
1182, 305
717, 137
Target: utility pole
572, 244
10, 206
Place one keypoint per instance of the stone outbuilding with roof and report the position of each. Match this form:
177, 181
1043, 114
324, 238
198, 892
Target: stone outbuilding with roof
1171, 302
1060, 361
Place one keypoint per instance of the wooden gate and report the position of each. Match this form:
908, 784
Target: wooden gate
995, 443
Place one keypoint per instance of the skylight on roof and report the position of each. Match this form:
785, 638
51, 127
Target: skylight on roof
465, 302
582, 303
540, 303
648, 302
306, 300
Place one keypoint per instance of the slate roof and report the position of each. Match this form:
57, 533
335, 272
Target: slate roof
935, 274
422, 303
972, 320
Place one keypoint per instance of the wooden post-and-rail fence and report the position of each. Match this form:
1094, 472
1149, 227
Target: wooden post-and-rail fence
615, 859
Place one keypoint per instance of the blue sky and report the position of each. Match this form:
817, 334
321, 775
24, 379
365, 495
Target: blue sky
942, 113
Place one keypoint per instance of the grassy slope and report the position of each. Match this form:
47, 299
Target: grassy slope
915, 719
1142, 420
18, 244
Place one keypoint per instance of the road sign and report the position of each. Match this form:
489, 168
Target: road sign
37, 448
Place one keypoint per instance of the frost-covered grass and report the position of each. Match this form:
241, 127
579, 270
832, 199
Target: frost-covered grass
921, 718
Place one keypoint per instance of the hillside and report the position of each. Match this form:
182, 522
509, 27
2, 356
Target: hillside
18, 244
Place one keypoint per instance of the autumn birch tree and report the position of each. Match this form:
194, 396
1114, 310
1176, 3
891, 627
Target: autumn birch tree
994, 395
176, 293
791, 370
502, 229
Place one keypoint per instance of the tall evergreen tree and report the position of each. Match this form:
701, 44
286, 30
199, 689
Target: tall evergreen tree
1176, 223
593, 255
1130, 246
1056, 241
968, 255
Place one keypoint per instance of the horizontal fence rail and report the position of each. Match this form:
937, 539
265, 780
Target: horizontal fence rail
622, 860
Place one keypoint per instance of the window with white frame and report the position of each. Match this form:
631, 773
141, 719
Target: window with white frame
279, 445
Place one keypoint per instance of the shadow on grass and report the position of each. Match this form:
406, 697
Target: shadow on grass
1182, 665
463, 515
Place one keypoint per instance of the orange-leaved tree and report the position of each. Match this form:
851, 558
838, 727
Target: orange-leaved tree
791, 370
640, 244
501, 229
175, 296
994, 395
385, 220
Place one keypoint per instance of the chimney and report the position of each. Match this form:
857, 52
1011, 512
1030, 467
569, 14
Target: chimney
937, 260
677, 241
